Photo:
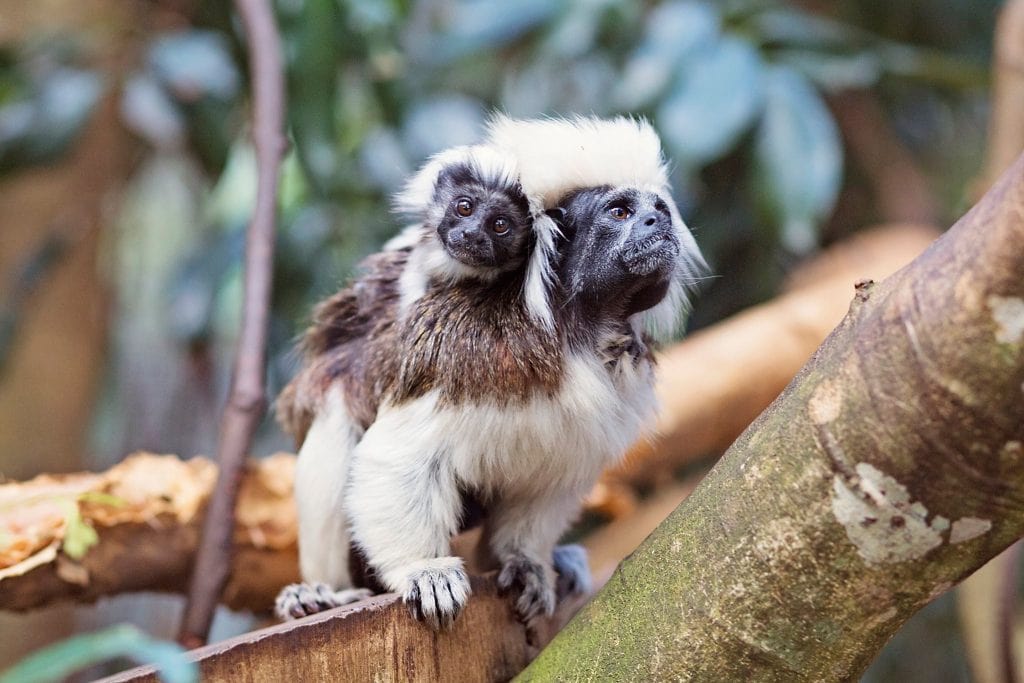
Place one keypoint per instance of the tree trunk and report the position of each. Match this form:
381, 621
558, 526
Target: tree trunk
889, 470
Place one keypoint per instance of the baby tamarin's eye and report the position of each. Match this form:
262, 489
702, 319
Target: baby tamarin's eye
500, 225
464, 207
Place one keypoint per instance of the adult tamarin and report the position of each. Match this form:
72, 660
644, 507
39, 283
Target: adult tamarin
482, 397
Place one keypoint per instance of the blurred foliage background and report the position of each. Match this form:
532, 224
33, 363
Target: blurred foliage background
771, 112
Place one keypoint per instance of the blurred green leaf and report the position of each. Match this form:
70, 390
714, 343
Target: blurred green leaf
441, 122
573, 34
853, 52
834, 73
195, 64
79, 535
473, 25
383, 160
716, 99
192, 290
794, 28
101, 498
293, 189
312, 86
233, 196
42, 127
674, 31
798, 157
149, 112
578, 86
58, 661
197, 69
932, 66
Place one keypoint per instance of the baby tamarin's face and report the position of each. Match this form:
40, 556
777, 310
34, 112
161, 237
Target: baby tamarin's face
482, 224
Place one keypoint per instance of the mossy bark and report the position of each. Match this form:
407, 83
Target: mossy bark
889, 469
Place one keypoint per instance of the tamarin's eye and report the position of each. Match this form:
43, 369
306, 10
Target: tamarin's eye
500, 225
464, 207
620, 213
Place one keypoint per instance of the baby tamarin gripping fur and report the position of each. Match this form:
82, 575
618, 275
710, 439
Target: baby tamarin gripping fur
473, 224
517, 389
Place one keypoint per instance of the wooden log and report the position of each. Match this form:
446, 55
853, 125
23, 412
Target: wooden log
377, 640
147, 513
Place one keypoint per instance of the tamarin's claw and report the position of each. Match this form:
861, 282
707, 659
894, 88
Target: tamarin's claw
570, 562
299, 600
437, 591
529, 579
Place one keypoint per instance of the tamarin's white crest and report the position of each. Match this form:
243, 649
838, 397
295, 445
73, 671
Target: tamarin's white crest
557, 156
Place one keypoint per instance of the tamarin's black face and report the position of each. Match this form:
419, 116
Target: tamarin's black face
621, 249
484, 224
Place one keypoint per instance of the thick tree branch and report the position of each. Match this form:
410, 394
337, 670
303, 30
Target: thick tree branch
887, 471
246, 403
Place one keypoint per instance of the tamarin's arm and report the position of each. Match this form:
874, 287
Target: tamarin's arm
403, 506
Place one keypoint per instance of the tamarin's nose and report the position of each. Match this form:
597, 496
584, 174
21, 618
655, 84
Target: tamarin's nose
646, 225
475, 236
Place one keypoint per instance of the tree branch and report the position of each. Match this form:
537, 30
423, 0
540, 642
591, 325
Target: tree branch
247, 402
785, 566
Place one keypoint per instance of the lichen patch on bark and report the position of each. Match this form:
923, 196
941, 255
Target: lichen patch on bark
826, 402
881, 520
1011, 453
967, 528
1008, 312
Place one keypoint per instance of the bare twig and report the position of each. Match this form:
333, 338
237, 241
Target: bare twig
1006, 126
1007, 613
246, 403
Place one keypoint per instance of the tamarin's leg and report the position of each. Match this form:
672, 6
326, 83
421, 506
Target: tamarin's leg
320, 474
522, 536
403, 504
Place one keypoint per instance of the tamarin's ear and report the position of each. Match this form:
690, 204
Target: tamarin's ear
557, 214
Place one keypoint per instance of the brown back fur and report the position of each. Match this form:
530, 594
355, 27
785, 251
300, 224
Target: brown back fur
471, 341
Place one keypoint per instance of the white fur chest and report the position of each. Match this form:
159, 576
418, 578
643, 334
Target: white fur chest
557, 444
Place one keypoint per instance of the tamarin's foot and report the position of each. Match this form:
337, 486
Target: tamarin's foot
436, 591
573, 571
530, 580
299, 600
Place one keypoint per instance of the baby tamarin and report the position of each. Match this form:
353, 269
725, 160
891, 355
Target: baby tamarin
516, 394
